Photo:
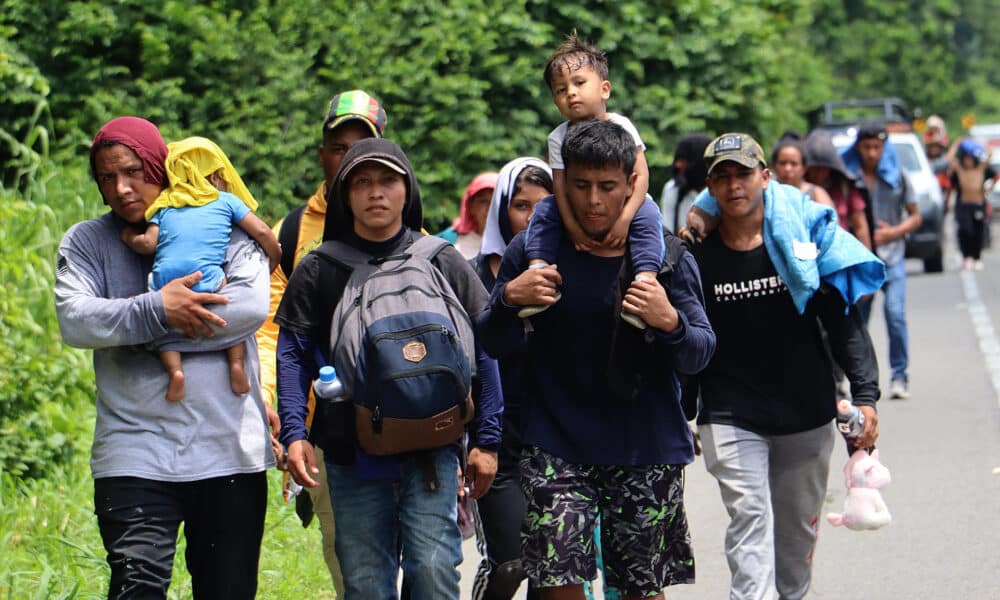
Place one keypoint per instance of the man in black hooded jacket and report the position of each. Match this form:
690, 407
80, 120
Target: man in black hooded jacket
380, 502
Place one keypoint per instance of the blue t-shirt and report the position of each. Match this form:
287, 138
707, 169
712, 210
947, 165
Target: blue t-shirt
195, 238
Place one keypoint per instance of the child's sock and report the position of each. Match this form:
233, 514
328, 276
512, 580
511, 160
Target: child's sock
632, 319
530, 311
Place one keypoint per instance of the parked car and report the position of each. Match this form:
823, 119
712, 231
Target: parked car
987, 135
925, 242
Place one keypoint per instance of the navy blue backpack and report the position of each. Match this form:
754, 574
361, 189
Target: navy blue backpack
404, 347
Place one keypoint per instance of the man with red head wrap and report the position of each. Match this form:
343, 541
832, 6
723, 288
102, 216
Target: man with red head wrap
155, 463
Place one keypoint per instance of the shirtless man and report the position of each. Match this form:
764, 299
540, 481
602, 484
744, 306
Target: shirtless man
970, 168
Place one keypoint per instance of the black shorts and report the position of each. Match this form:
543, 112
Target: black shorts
644, 532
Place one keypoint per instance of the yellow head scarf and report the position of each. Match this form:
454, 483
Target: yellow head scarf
189, 163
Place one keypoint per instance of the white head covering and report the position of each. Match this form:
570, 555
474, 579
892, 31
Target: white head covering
493, 242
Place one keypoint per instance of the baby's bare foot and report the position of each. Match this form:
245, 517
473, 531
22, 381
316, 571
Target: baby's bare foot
175, 388
238, 379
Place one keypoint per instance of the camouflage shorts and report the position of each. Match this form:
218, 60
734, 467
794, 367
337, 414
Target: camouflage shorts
644, 530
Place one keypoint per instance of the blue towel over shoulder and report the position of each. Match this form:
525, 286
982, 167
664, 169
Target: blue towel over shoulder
808, 247
887, 168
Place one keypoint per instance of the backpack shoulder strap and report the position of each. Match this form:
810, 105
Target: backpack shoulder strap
350, 258
288, 239
674, 248
428, 246
341, 254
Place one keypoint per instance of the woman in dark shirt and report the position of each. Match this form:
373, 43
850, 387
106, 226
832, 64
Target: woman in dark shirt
522, 183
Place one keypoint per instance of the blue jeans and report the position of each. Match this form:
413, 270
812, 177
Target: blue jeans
894, 289
379, 517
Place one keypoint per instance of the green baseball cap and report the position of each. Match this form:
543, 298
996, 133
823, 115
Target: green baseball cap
737, 147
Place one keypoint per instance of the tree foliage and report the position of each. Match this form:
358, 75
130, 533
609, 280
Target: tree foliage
904, 49
462, 80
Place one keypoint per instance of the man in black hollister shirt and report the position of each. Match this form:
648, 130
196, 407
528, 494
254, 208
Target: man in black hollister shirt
768, 396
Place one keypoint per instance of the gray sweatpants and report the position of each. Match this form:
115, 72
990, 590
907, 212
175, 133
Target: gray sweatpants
773, 488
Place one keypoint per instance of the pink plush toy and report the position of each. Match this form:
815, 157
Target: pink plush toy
864, 508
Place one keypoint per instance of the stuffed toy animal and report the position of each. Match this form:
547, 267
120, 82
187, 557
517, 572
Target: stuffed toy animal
864, 508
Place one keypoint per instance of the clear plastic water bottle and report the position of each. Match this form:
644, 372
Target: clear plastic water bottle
328, 386
850, 420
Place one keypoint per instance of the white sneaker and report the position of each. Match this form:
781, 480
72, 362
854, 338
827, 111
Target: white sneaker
633, 320
978, 265
898, 390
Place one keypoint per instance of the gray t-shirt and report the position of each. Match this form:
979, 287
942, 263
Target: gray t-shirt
102, 304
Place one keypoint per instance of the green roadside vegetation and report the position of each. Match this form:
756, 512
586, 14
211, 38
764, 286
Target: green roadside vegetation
461, 81
51, 548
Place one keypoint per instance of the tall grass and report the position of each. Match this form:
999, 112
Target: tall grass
50, 546
41, 380
29, 153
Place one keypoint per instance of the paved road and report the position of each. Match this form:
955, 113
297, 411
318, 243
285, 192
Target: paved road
942, 446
